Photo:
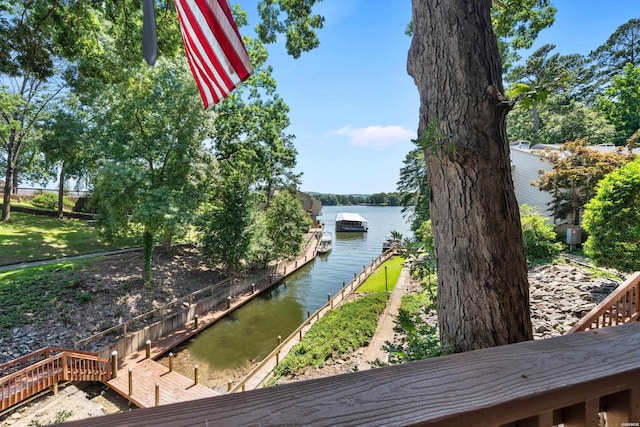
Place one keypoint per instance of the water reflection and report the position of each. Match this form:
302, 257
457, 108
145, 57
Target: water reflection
250, 333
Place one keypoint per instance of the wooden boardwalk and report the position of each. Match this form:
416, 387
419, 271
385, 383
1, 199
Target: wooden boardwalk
172, 387
175, 387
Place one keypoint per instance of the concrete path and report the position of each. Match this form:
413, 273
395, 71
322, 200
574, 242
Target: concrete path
385, 332
70, 258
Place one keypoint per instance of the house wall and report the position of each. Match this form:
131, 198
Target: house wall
524, 170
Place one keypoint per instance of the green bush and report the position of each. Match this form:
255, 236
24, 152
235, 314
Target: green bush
50, 201
612, 219
540, 243
338, 332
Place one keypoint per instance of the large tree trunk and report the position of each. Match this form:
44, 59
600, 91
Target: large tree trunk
61, 193
536, 123
483, 294
6, 194
8, 180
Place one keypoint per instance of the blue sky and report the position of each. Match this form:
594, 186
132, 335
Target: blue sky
354, 108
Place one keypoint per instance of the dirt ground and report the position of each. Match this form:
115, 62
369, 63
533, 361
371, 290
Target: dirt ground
112, 292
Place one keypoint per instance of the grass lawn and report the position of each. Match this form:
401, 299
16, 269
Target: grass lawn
376, 282
34, 237
27, 294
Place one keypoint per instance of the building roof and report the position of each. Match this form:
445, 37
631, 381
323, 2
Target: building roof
346, 216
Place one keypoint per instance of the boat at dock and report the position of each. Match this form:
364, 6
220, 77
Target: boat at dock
325, 243
346, 221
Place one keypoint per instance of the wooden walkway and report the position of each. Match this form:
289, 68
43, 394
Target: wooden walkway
41, 370
171, 386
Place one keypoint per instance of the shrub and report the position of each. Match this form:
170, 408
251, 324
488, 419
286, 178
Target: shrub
539, 238
612, 219
50, 201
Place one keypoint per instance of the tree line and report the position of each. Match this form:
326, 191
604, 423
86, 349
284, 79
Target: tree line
376, 199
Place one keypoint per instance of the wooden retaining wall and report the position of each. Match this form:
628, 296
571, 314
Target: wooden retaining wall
134, 341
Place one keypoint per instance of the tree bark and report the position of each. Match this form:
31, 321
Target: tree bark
8, 180
483, 293
147, 246
6, 193
536, 123
61, 193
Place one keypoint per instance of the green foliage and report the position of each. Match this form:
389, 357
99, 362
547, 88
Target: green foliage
413, 186
621, 102
299, 26
379, 282
420, 339
612, 219
50, 201
376, 199
83, 297
286, 223
225, 223
540, 243
620, 49
517, 24
576, 171
156, 169
338, 332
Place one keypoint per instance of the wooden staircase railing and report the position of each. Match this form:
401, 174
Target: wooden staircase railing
621, 306
28, 375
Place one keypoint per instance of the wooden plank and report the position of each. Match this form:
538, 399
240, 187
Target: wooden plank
173, 386
582, 414
622, 407
493, 386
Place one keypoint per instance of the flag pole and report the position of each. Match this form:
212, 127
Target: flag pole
149, 36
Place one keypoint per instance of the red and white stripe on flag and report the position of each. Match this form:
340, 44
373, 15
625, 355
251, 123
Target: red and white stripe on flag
216, 54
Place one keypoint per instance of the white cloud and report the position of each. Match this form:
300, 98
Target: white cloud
376, 136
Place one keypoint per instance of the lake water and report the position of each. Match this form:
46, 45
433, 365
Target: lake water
250, 333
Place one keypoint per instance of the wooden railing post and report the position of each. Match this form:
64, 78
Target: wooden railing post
147, 349
195, 375
114, 364
170, 362
157, 393
130, 381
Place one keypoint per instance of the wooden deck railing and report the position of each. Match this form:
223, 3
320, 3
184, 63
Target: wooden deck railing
591, 378
44, 368
27, 360
621, 306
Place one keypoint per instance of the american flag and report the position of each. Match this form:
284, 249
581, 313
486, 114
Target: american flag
216, 54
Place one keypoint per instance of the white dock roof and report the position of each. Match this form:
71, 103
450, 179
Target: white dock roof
347, 216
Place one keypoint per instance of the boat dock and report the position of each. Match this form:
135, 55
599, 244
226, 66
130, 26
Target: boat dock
153, 384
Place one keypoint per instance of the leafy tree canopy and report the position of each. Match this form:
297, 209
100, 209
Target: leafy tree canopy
620, 49
414, 188
612, 219
517, 24
576, 171
621, 103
